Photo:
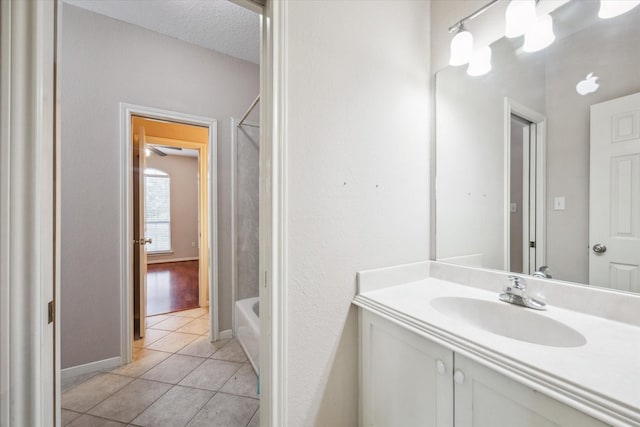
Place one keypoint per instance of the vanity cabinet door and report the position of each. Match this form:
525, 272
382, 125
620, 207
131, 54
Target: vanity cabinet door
485, 398
406, 380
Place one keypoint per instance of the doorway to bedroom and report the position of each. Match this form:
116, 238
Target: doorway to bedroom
169, 211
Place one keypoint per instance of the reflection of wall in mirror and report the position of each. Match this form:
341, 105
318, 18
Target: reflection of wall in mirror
470, 153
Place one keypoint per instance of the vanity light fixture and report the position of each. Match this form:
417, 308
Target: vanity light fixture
147, 152
519, 17
480, 62
540, 35
613, 8
461, 47
462, 42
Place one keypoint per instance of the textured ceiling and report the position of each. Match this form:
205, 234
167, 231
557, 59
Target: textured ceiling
214, 24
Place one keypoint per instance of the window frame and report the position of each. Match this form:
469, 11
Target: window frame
158, 173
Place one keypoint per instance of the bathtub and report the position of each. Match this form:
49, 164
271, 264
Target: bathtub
248, 329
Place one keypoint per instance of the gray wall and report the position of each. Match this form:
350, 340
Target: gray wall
105, 62
183, 175
247, 210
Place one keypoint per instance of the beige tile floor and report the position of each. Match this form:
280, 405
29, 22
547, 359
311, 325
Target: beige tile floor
177, 378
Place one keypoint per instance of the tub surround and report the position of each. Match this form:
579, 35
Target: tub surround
600, 378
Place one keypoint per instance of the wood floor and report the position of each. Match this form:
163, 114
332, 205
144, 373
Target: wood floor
172, 286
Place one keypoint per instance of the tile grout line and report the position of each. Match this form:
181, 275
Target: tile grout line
215, 393
254, 414
176, 352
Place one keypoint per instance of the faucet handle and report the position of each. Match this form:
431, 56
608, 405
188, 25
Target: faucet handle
517, 282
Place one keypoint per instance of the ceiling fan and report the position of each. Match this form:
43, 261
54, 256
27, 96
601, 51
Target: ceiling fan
154, 148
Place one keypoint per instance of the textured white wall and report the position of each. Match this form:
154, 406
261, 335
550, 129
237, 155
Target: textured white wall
105, 62
357, 132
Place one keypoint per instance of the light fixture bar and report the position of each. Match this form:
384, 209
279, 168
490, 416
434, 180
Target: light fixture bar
461, 22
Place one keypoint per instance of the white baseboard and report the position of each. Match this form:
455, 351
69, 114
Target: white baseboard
226, 334
161, 261
98, 365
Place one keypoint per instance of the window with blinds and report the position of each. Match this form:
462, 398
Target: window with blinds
157, 207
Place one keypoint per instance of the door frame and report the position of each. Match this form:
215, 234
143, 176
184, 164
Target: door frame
540, 122
273, 214
29, 215
206, 254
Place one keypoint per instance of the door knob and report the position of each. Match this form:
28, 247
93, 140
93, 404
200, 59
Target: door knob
442, 368
144, 241
599, 248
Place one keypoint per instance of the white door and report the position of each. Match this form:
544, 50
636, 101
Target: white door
614, 197
140, 159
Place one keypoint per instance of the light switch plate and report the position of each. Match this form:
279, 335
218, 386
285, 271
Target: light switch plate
558, 203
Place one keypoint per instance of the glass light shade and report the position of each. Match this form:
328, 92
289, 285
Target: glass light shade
147, 152
539, 35
461, 48
519, 17
613, 8
480, 62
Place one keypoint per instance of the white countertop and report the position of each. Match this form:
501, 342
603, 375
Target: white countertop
600, 378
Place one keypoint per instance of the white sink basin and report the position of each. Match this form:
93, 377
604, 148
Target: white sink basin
509, 321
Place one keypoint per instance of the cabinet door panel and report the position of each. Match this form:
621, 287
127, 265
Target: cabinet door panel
403, 380
488, 399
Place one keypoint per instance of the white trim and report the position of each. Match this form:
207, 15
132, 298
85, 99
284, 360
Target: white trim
513, 107
98, 365
225, 335
273, 216
162, 261
541, 193
27, 213
126, 288
58, 219
234, 222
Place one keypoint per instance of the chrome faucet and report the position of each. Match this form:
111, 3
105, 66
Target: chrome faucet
542, 272
516, 293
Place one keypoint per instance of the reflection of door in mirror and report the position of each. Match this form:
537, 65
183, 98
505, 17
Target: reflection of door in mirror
614, 226
524, 251
518, 233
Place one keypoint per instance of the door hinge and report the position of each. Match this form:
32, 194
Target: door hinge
51, 311
532, 244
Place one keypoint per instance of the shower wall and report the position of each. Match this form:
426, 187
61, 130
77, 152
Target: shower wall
247, 210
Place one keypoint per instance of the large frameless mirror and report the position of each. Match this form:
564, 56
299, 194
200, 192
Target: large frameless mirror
538, 159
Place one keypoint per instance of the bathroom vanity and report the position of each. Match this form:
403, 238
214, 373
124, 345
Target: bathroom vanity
438, 348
